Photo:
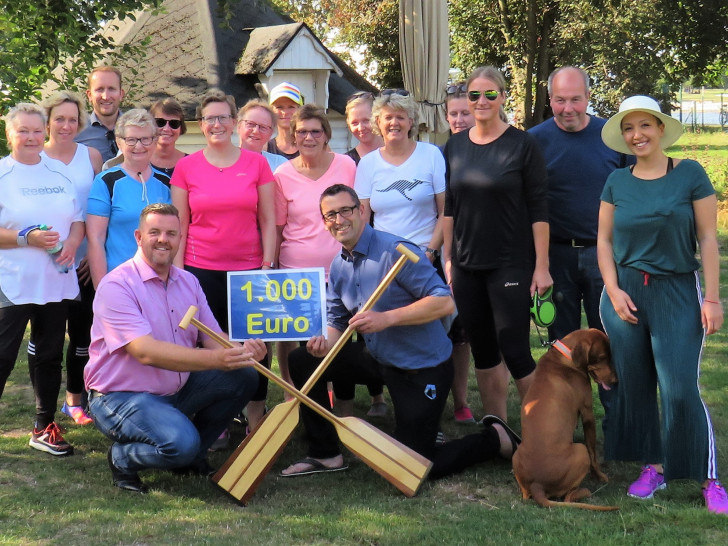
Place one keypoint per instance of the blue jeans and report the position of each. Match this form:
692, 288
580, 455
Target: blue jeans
577, 279
152, 431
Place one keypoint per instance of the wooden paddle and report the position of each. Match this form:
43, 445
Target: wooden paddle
251, 461
404, 468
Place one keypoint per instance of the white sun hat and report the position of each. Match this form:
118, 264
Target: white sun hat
612, 130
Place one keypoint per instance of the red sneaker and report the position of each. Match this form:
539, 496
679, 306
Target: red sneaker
50, 440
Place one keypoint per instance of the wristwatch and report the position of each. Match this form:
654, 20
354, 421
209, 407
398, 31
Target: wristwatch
268, 264
23, 234
431, 251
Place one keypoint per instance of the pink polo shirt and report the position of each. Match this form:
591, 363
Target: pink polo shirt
132, 301
306, 241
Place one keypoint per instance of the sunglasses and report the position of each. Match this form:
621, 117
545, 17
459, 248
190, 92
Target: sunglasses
173, 123
457, 89
390, 92
112, 142
360, 95
491, 95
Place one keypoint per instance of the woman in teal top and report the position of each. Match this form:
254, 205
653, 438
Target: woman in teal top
652, 306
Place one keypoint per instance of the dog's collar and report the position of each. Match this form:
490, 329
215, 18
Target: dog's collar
563, 349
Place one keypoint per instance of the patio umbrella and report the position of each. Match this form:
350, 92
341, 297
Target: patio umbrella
425, 55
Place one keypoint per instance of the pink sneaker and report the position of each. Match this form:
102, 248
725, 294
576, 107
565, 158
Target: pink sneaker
649, 481
464, 415
76, 413
716, 499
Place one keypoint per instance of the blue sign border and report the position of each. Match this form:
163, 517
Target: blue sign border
256, 303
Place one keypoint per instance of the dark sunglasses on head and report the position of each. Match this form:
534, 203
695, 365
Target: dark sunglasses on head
173, 123
359, 95
112, 142
491, 94
456, 89
389, 92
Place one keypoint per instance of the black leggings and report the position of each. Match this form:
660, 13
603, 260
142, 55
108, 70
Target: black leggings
45, 355
80, 317
418, 397
493, 306
214, 285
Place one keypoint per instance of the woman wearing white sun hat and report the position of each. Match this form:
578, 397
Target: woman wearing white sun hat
652, 306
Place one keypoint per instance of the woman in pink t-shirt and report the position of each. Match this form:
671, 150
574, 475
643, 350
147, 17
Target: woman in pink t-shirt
302, 239
226, 201
226, 204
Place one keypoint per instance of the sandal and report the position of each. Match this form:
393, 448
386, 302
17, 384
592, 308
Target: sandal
490, 420
316, 468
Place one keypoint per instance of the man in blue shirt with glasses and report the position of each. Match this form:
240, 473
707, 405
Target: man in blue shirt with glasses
405, 345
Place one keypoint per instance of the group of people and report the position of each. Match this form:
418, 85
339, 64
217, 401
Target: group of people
589, 206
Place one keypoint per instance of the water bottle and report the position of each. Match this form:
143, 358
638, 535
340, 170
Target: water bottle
55, 253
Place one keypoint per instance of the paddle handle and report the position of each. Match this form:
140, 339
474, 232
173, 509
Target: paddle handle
406, 254
290, 389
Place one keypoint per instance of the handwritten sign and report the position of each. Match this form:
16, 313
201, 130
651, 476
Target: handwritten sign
277, 305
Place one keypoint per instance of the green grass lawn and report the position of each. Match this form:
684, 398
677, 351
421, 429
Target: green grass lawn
71, 501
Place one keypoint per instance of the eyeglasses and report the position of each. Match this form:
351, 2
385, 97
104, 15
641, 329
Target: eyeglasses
345, 212
389, 92
456, 89
173, 123
112, 142
132, 141
210, 120
474, 96
360, 95
315, 133
251, 125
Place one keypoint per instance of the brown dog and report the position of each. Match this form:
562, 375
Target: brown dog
548, 464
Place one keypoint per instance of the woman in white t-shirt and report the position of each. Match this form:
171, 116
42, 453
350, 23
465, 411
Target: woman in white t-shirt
403, 183
41, 227
66, 114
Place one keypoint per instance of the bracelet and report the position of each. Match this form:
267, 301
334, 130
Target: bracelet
711, 301
23, 234
268, 264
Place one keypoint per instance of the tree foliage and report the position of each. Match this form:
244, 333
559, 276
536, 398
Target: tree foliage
628, 47
36, 36
364, 32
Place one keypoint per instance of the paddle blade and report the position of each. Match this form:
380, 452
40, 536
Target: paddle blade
399, 465
251, 461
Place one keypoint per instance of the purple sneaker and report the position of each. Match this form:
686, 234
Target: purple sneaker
716, 499
649, 481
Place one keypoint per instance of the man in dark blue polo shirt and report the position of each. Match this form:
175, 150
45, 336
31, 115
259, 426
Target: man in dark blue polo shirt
406, 346
105, 95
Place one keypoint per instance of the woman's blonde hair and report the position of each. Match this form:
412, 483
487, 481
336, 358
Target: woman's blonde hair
396, 102
59, 97
23, 108
137, 117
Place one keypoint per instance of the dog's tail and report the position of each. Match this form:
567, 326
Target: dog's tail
539, 495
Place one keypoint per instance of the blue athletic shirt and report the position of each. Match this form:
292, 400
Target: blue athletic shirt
120, 198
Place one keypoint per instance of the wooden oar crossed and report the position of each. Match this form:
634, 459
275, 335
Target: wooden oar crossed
248, 465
